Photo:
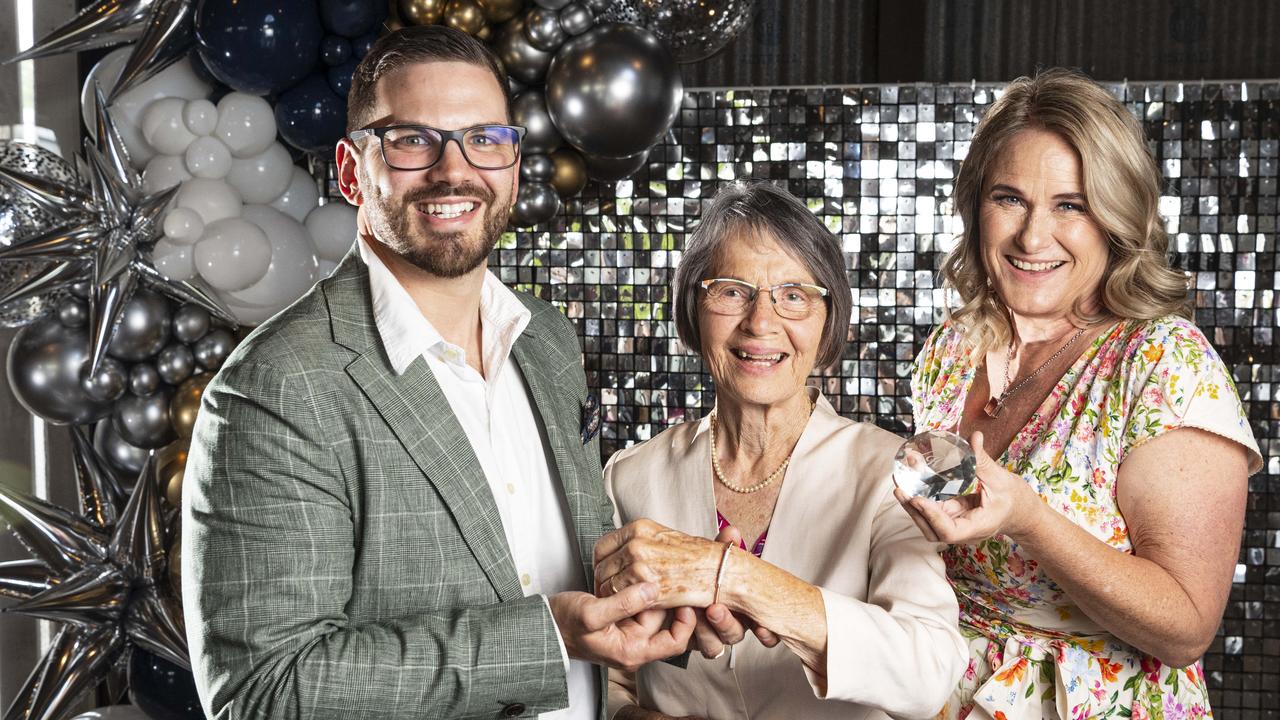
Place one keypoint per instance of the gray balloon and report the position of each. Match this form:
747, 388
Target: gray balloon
523, 61
73, 312
576, 19
143, 328
536, 169
190, 323
143, 379
692, 29
613, 91
108, 383
542, 28
212, 349
144, 421
597, 6
536, 203
176, 363
125, 460
44, 366
610, 169
529, 110
80, 289
551, 4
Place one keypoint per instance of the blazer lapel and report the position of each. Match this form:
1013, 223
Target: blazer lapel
583, 504
416, 410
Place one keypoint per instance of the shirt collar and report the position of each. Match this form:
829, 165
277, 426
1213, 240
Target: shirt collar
407, 334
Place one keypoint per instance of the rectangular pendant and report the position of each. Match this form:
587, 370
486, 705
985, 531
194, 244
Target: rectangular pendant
992, 408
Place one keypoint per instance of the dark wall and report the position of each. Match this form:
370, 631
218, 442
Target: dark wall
834, 42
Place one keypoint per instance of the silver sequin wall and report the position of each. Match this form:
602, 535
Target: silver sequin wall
877, 165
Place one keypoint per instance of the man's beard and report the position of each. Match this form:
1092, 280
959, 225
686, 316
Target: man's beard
446, 255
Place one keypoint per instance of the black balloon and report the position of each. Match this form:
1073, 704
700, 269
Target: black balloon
610, 169
552, 4
613, 91
311, 116
352, 17
529, 110
536, 203
536, 169
44, 365
143, 328
258, 47
522, 60
212, 349
144, 421
162, 690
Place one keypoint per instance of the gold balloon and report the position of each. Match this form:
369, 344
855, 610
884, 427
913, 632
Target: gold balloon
171, 463
173, 485
186, 403
464, 15
485, 33
421, 12
571, 172
500, 11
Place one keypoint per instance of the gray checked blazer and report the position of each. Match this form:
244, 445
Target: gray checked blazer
342, 553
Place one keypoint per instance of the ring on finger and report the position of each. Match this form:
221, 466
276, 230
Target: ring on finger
720, 654
613, 584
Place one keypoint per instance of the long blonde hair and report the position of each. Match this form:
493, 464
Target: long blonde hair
1121, 182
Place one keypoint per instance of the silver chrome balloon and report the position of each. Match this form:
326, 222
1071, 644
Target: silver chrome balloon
143, 328
523, 61
610, 169
72, 312
144, 421
529, 110
537, 202
45, 363
143, 379
212, 349
613, 91
190, 323
536, 169
542, 28
108, 383
693, 30
176, 363
576, 18
124, 460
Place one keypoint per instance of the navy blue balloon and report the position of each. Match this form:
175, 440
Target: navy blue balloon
340, 77
360, 46
335, 50
352, 18
310, 116
259, 47
162, 690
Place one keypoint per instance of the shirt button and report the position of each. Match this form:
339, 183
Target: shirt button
525, 579
513, 710
511, 488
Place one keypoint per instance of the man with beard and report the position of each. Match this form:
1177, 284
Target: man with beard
390, 505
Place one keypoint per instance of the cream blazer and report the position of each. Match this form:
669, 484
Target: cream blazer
893, 648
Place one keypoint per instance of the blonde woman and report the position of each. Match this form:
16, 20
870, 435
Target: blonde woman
1093, 565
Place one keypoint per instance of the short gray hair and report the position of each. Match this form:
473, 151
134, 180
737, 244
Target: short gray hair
767, 209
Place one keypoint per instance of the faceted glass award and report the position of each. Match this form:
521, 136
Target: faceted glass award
937, 465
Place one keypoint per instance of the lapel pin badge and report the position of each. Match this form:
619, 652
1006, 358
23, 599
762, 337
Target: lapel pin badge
590, 419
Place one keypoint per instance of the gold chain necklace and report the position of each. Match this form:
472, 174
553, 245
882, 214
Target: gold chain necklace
995, 405
746, 489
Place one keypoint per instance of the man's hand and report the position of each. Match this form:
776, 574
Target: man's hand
616, 631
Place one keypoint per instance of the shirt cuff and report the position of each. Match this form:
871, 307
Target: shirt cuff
564, 654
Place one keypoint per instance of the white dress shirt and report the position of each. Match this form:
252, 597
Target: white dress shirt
497, 414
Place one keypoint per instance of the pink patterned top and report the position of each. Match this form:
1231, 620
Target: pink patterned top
1033, 653
757, 549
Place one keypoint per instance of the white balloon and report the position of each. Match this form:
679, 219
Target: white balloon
176, 262
246, 123
164, 128
200, 116
178, 80
233, 254
114, 712
293, 270
333, 229
183, 226
163, 172
300, 197
263, 177
326, 268
213, 199
207, 157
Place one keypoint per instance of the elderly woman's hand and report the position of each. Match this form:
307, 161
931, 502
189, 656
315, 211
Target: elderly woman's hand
683, 566
1002, 503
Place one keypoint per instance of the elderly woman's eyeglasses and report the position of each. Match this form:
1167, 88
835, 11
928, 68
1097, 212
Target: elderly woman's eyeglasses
794, 301
418, 147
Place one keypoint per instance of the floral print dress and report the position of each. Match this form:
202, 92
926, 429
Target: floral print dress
1034, 654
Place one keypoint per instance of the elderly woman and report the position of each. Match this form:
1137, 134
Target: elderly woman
1093, 563
833, 566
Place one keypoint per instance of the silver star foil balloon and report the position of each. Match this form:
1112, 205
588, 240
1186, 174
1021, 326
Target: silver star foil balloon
163, 31
100, 572
107, 231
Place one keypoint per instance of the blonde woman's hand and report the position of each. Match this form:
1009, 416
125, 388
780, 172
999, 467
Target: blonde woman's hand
1001, 503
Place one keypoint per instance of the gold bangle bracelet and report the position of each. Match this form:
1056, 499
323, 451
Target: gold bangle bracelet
724, 564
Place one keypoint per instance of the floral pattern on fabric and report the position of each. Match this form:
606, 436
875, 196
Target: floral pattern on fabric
1034, 654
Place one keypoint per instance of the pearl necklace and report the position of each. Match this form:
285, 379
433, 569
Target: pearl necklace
746, 489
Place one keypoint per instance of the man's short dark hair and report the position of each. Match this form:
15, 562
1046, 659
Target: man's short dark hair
407, 46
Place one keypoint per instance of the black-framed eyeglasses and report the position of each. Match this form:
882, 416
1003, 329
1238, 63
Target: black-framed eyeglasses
730, 296
418, 147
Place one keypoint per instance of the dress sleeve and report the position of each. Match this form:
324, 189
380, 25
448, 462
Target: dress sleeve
1177, 380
